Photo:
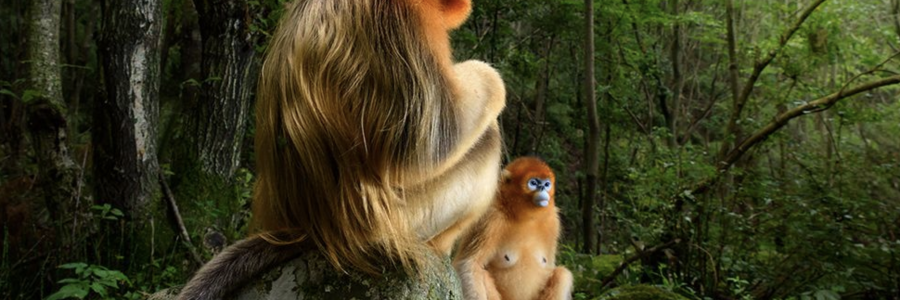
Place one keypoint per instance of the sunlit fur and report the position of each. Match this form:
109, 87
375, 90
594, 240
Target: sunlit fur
364, 124
511, 253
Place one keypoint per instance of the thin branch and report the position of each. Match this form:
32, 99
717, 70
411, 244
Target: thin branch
761, 65
612, 276
176, 214
782, 119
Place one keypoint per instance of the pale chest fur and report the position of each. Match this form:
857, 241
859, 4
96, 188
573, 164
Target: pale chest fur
526, 258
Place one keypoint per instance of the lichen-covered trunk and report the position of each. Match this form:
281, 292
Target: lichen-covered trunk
45, 107
229, 67
207, 154
125, 121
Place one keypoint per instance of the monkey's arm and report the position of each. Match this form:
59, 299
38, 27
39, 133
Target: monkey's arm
480, 97
235, 266
559, 286
475, 251
450, 203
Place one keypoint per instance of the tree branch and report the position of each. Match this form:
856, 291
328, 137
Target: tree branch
612, 276
761, 65
782, 119
177, 221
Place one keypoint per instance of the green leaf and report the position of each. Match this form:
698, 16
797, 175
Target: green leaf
101, 273
75, 265
117, 212
70, 291
30, 95
99, 289
72, 280
9, 93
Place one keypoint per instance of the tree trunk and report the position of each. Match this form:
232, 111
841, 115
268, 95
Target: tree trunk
229, 70
46, 109
540, 96
591, 162
125, 121
207, 154
678, 79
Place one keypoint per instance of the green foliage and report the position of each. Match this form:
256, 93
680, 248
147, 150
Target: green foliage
107, 212
589, 270
640, 292
92, 280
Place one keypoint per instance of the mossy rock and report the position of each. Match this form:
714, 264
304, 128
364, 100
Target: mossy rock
640, 292
311, 277
589, 270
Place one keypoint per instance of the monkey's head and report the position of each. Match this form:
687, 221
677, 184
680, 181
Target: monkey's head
532, 180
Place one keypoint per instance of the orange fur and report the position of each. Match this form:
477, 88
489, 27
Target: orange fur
511, 253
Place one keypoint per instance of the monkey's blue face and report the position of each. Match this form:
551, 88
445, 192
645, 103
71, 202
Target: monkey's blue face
541, 189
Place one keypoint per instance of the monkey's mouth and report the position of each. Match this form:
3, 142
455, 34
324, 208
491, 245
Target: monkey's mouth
542, 199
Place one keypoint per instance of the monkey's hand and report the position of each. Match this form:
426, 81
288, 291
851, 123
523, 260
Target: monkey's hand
559, 286
475, 249
476, 281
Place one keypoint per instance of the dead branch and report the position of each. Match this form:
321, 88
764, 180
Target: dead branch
178, 221
612, 276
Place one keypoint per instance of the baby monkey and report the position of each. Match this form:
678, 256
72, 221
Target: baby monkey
511, 253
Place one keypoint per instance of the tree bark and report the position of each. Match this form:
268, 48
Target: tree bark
591, 162
46, 115
207, 153
540, 95
678, 78
229, 70
125, 121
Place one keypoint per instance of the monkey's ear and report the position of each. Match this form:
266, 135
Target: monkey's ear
455, 12
505, 175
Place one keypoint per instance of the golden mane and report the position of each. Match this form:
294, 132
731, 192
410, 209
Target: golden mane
348, 99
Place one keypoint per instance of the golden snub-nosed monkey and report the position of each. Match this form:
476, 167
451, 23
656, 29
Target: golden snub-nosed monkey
370, 141
510, 253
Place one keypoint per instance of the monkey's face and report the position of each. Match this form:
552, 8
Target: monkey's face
540, 189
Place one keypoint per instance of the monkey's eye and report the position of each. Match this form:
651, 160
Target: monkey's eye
533, 184
547, 185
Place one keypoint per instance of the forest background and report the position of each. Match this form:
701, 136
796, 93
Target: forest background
723, 149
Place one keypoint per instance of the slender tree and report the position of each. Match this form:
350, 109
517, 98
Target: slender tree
592, 162
46, 108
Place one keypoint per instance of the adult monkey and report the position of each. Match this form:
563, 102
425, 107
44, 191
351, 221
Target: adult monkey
370, 141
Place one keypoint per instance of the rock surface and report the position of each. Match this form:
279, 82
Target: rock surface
311, 277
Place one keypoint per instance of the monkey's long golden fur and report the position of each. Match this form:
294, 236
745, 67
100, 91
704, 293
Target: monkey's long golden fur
369, 140
371, 143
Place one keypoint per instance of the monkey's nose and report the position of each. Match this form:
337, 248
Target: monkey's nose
542, 199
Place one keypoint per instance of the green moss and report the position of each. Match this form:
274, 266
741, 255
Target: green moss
311, 277
641, 292
589, 270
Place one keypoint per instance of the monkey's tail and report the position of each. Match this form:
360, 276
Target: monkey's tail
236, 266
